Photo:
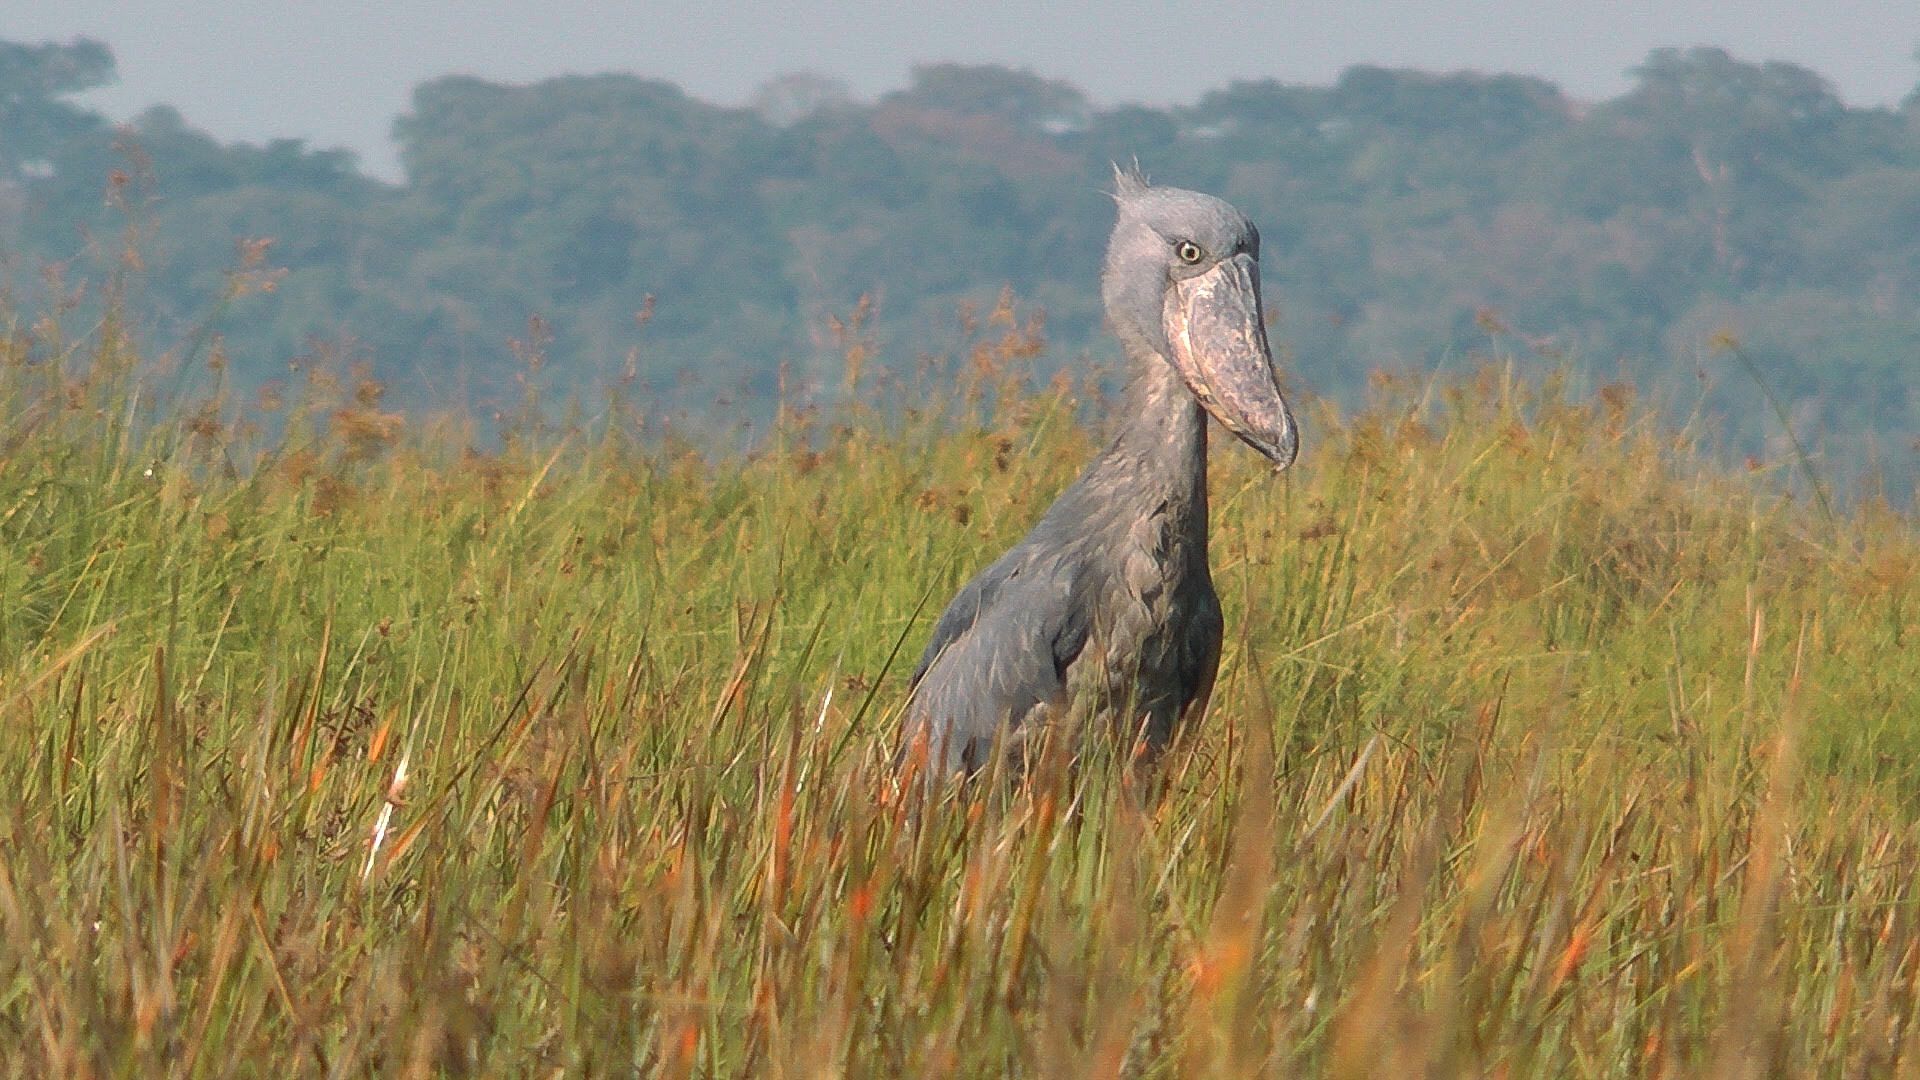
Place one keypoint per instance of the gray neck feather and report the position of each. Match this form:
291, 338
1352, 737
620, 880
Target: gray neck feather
1158, 454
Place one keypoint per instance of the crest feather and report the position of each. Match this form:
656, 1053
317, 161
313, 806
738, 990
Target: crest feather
1128, 181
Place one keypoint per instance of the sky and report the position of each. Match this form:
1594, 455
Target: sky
336, 72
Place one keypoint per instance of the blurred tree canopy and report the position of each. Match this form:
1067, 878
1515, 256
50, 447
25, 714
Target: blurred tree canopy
1409, 217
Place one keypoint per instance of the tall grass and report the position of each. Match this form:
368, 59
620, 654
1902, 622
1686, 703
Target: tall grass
1540, 749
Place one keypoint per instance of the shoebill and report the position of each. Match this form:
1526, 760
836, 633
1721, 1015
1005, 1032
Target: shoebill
1108, 602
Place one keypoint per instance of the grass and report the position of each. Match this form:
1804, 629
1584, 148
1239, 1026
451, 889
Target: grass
1541, 748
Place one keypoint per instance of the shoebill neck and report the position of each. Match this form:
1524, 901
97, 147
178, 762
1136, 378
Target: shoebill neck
1160, 435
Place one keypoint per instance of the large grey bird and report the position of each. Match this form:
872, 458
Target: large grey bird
1109, 600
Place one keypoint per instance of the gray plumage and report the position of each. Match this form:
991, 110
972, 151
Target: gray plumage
1110, 596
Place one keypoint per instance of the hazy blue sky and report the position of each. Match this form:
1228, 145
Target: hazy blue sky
336, 72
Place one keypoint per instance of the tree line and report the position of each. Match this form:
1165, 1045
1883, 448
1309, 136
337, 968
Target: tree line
1728, 235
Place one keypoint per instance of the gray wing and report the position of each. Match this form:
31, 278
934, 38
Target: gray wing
1001, 648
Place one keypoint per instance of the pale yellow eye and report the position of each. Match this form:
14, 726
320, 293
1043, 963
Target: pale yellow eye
1188, 251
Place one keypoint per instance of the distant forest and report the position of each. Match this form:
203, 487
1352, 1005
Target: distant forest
1410, 220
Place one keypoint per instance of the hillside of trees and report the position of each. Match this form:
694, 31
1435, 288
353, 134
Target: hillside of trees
1721, 227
